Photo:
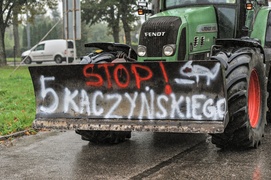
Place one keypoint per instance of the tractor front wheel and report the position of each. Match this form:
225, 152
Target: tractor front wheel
247, 98
111, 137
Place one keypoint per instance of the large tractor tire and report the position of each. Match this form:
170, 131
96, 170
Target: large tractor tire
102, 137
246, 96
268, 114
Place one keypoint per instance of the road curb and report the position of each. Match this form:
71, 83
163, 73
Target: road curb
13, 135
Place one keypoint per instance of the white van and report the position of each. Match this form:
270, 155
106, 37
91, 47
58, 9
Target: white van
50, 50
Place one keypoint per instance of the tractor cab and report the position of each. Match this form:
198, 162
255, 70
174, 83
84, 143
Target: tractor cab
226, 12
233, 16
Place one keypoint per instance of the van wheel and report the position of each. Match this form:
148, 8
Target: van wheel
28, 60
58, 59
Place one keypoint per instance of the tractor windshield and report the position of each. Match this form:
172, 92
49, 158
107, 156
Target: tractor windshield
174, 3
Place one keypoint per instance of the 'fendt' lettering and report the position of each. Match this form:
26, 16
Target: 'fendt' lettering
155, 34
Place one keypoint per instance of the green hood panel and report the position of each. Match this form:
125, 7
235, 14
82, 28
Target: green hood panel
200, 27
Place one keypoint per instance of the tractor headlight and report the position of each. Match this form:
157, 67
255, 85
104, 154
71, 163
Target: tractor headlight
169, 49
141, 50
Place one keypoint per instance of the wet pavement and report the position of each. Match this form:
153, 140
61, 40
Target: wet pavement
63, 155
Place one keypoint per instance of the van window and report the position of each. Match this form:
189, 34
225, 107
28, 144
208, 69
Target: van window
70, 45
40, 47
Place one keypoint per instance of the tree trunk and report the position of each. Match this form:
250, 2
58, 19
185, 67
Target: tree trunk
16, 32
3, 61
123, 8
127, 31
116, 33
4, 19
114, 24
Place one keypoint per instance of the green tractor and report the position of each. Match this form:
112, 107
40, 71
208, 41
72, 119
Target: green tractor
202, 66
236, 33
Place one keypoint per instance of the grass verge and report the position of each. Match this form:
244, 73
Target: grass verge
17, 100
17, 59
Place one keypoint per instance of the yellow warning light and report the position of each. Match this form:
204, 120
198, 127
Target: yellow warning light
140, 11
249, 6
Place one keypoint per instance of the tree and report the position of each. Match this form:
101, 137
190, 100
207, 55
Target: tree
97, 33
94, 12
111, 12
127, 17
15, 21
5, 18
40, 27
33, 8
14, 7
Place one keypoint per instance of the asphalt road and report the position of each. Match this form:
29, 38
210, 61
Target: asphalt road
63, 155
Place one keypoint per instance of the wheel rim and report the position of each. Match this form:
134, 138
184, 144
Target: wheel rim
254, 100
27, 61
58, 59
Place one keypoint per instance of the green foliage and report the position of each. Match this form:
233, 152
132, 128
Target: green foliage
17, 100
40, 27
8, 7
37, 7
111, 12
9, 41
95, 33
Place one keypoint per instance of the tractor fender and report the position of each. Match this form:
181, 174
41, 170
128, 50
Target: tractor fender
241, 42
